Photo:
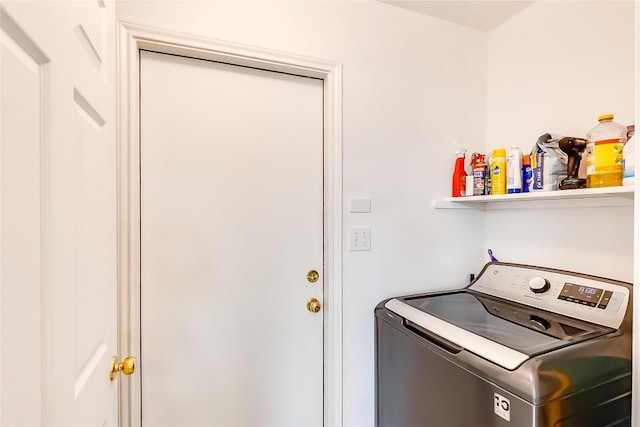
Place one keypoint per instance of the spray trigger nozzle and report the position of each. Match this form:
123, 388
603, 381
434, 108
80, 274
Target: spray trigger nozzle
460, 151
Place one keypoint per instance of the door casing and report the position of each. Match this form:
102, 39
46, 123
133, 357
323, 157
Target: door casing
132, 39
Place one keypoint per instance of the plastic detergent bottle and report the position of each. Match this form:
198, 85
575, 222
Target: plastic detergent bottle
514, 171
526, 173
629, 152
458, 183
498, 171
487, 174
605, 143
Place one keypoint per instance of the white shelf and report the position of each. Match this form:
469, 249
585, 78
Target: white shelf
587, 197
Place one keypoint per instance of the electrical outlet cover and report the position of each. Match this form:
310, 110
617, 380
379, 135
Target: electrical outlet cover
360, 239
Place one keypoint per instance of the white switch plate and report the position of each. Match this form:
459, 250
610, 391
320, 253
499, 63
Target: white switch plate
360, 239
360, 205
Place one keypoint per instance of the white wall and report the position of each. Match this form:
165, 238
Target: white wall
412, 86
556, 67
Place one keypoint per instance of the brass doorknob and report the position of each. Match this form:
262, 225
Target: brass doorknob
127, 367
313, 305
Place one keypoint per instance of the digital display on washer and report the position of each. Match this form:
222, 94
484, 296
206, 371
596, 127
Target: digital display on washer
580, 294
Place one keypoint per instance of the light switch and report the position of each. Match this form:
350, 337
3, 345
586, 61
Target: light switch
360, 205
360, 239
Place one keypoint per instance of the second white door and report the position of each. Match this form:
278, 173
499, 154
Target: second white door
231, 185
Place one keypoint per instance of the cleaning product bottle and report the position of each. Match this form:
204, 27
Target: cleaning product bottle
458, 184
629, 153
498, 171
526, 173
514, 171
479, 170
605, 143
487, 173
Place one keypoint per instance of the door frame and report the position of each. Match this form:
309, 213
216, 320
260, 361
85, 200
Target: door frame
131, 39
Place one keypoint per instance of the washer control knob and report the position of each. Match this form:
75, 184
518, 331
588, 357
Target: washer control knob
539, 285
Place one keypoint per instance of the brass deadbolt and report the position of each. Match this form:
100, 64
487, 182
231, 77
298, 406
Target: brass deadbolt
313, 276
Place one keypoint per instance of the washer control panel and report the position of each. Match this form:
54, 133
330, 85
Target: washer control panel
588, 298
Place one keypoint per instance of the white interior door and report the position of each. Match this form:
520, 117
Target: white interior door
57, 213
231, 196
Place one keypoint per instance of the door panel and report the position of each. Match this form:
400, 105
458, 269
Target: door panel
57, 213
231, 221
20, 235
93, 257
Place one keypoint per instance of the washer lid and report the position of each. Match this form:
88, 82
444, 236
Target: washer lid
501, 332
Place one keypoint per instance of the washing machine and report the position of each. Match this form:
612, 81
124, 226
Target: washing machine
520, 346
